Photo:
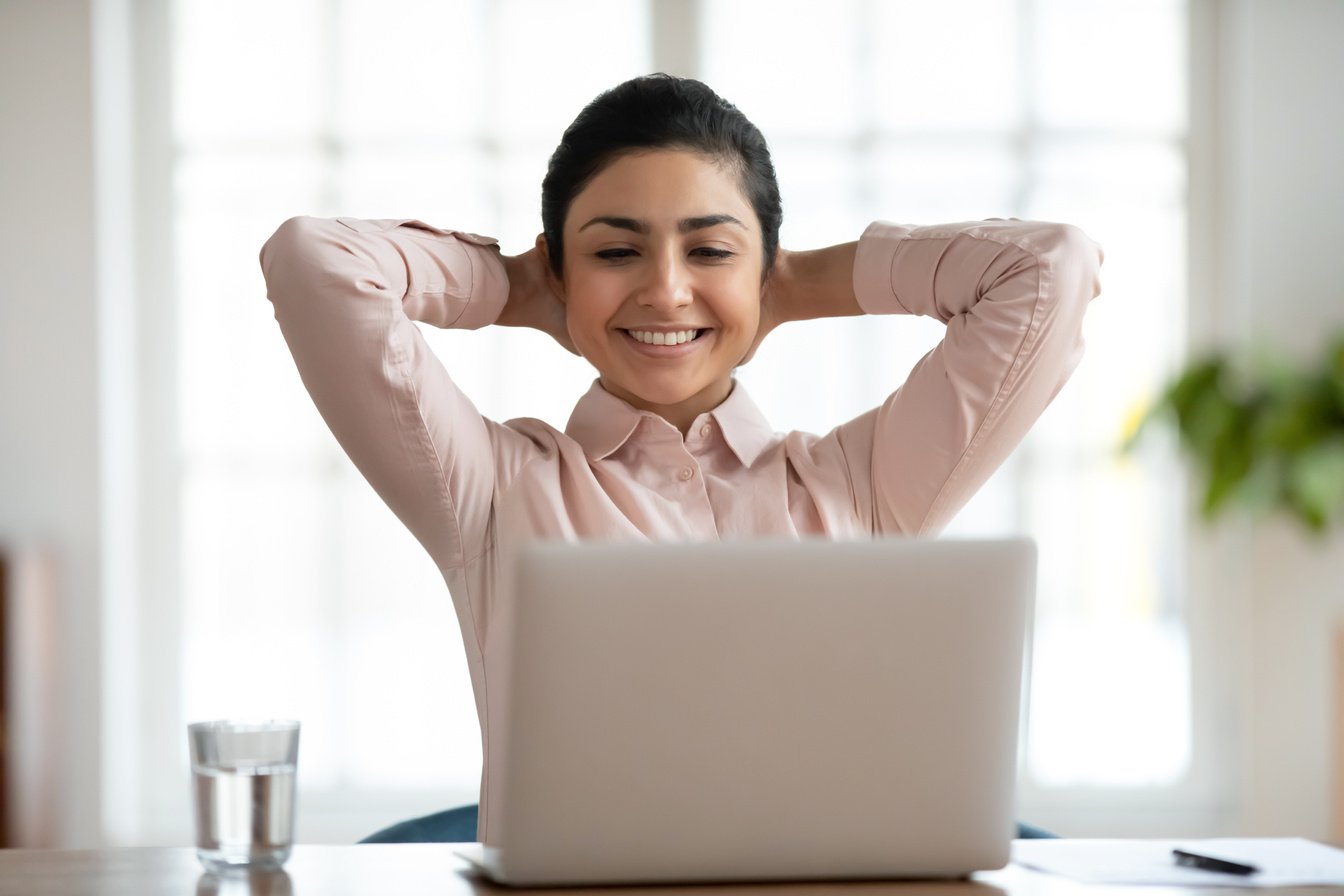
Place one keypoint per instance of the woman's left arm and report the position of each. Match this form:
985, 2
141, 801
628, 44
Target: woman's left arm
1012, 294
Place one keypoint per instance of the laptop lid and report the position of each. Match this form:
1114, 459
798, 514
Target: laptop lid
760, 710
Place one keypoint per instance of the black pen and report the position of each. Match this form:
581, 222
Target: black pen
1209, 863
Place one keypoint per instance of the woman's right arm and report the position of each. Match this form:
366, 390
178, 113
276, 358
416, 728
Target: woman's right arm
346, 293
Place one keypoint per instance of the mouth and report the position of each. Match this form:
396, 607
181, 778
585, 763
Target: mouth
666, 337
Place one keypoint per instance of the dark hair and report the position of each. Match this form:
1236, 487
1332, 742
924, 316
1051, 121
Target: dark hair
658, 112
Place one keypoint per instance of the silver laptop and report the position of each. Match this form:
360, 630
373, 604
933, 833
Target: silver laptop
763, 710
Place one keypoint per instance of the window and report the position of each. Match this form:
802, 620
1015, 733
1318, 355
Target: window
301, 595
895, 112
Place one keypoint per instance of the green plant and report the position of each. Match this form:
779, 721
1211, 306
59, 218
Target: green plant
1266, 435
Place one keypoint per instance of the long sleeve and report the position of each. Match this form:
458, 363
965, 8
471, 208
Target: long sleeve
1012, 294
346, 293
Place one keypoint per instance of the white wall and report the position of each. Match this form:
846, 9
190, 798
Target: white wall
49, 414
1268, 238
1273, 187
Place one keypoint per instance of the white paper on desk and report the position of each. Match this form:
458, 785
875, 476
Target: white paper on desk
1287, 862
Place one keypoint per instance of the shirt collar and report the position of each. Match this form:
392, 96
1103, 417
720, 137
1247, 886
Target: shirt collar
744, 427
602, 423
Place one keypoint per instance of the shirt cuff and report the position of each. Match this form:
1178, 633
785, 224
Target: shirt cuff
489, 283
873, 261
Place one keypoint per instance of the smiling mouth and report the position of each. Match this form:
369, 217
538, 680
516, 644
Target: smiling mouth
669, 337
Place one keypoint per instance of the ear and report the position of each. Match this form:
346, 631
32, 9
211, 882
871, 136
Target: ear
557, 284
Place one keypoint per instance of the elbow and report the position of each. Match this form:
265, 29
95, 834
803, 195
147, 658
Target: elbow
1075, 259
294, 258
1074, 262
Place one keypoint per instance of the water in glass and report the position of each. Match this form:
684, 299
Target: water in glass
245, 815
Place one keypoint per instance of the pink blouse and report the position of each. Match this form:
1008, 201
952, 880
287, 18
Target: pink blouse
345, 292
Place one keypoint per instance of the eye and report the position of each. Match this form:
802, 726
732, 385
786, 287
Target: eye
617, 254
712, 254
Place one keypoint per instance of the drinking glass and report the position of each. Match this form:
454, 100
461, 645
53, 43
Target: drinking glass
243, 784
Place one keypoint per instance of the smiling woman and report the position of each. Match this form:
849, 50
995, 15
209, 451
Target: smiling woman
662, 281
667, 306
660, 267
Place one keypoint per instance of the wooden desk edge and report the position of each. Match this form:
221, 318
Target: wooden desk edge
434, 868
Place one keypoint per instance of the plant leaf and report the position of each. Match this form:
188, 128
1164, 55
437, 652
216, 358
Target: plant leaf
1314, 480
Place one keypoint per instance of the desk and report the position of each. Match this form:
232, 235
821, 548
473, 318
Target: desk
422, 869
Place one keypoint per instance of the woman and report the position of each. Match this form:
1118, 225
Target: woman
659, 263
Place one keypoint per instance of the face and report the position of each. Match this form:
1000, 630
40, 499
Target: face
662, 280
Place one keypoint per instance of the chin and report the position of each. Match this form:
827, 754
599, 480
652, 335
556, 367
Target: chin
660, 394
662, 391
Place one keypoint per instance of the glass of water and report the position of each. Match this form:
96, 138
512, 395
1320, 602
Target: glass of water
243, 783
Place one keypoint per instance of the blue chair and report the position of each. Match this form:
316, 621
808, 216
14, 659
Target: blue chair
450, 826
459, 826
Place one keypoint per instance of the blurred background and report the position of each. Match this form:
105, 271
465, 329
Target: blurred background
182, 539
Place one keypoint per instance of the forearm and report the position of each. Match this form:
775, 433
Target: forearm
445, 278
815, 284
993, 268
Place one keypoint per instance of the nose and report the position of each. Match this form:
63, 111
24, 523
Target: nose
668, 285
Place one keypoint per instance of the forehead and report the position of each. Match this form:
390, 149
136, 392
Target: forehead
662, 187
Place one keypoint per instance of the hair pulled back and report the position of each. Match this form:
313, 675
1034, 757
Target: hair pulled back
658, 112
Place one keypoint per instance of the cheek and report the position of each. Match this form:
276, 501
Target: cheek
747, 303
587, 313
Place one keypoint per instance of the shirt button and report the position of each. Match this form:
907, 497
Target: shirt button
686, 473
704, 430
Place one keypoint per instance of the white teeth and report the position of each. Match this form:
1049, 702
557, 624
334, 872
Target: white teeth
675, 338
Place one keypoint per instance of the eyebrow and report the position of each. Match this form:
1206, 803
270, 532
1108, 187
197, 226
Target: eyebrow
685, 225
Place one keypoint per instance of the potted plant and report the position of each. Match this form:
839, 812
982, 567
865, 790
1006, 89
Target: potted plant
1265, 434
